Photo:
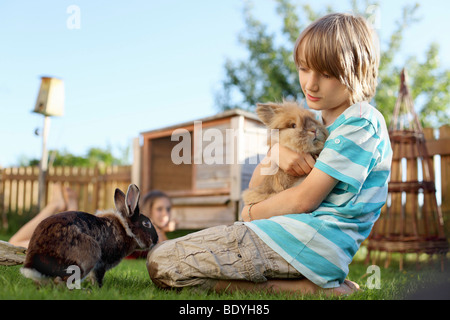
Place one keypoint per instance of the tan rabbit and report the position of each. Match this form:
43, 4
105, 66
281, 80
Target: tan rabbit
299, 131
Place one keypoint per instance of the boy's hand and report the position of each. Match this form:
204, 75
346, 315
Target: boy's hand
293, 163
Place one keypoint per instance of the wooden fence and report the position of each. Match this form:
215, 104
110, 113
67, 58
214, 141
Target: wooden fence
94, 187
438, 144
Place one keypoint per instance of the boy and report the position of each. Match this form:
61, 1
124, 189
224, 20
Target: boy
303, 238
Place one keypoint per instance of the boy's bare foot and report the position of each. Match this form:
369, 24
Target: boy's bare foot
346, 288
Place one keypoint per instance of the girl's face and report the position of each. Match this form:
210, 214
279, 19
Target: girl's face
323, 92
160, 214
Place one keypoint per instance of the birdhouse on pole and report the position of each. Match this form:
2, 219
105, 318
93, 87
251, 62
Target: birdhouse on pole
50, 102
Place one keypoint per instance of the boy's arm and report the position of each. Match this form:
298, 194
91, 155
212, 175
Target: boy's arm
303, 198
291, 162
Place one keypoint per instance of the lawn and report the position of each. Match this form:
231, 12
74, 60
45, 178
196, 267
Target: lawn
130, 281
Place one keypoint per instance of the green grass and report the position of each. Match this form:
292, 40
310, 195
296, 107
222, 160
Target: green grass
130, 281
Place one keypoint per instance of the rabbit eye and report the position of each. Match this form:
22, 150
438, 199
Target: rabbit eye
293, 125
147, 224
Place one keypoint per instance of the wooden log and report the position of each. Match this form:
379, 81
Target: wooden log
11, 255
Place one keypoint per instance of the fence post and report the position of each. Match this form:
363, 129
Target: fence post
96, 186
2, 208
444, 134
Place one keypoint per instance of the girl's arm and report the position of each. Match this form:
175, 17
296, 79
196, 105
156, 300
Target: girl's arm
293, 163
303, 198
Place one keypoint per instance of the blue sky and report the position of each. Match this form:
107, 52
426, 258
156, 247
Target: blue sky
135, 66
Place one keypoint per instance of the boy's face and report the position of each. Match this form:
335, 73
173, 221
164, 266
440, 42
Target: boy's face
323, 92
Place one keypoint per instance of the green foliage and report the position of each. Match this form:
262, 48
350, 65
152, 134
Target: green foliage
389, 73
269, 72
94, 157
431, 84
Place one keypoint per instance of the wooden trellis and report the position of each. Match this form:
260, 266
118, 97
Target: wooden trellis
412, 221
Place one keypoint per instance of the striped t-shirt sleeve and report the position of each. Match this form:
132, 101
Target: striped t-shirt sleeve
350, 152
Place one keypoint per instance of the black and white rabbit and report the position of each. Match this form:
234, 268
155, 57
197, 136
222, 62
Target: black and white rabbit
94, 243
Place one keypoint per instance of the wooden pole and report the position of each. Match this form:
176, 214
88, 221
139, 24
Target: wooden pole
43, 165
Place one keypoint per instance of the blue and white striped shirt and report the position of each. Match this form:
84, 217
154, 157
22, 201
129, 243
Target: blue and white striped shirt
321, 244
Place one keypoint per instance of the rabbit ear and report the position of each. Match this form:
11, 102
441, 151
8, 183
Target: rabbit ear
132, 200
266, 111
119, 201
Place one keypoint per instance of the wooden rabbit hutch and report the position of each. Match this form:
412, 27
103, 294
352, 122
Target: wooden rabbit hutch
203, 165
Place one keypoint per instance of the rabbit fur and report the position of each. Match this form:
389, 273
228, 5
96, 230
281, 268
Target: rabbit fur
94, 243
298, 130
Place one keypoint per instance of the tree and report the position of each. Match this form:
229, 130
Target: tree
431, 84
93, 157
269, 72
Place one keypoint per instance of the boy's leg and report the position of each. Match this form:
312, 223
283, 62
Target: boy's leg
220, 253
228, 259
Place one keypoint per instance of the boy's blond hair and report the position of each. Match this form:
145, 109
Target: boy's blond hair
343, 46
